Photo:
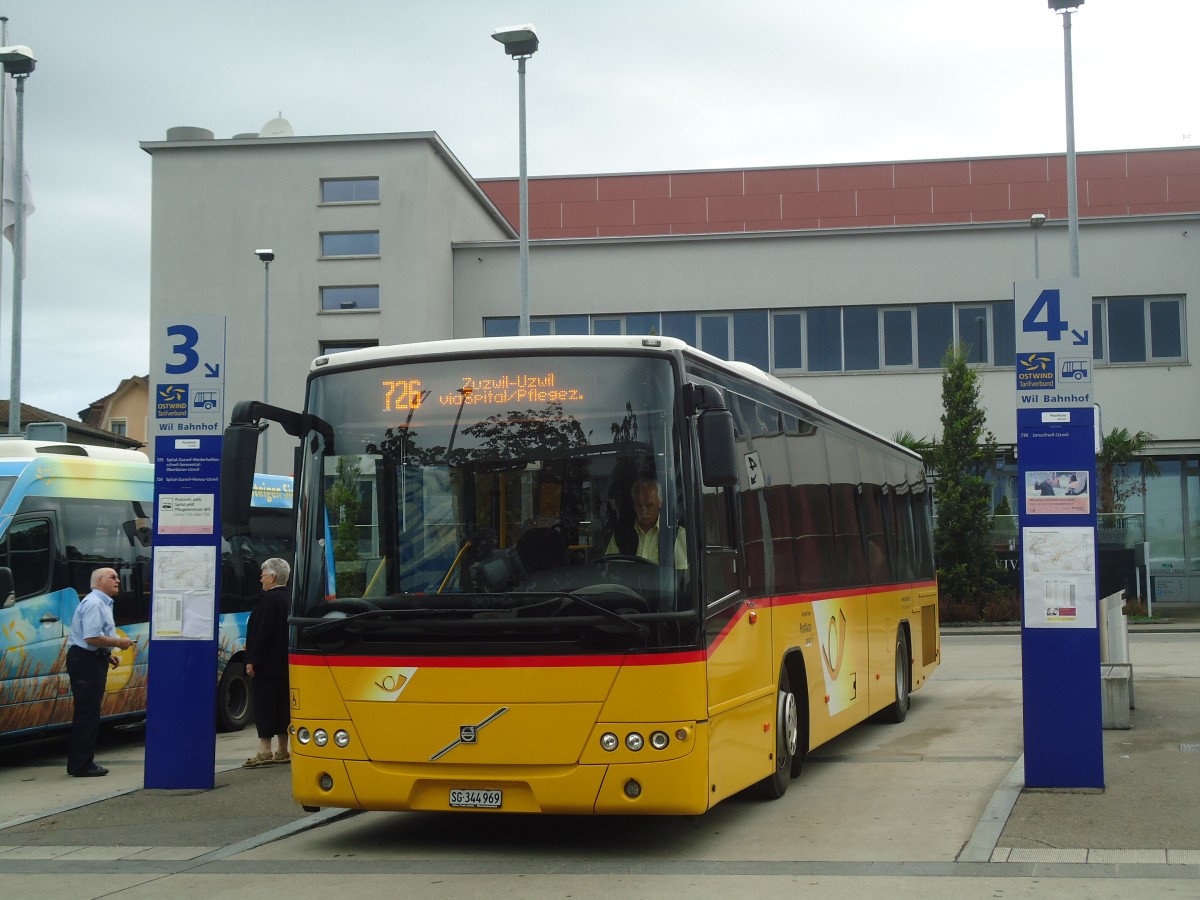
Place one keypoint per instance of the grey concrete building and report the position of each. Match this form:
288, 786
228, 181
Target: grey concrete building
848, 281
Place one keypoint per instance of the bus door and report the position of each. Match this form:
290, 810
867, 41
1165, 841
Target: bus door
741, 675
33, 628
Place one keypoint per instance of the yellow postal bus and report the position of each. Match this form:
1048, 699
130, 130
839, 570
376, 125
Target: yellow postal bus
585, 575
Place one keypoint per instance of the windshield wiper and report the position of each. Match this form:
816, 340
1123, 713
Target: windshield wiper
354, 621
608, 613
335, 624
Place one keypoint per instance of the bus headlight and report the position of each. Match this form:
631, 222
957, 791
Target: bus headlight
303, 735
609, 741
341, 738
320, 737
659, 740
634, 741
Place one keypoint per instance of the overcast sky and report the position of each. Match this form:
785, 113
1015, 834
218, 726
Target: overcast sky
617, 86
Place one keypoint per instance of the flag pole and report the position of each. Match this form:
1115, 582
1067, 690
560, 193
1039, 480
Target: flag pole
3, 101
18, 277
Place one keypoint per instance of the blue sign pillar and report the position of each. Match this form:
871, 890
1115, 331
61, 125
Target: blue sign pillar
1056, 455
187, 391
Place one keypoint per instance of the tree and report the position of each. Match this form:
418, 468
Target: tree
1118, 448
922, 446
344, 505
966, 559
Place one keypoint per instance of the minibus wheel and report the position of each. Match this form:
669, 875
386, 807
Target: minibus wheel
233, 698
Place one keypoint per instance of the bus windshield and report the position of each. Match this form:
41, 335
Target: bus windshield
497, 500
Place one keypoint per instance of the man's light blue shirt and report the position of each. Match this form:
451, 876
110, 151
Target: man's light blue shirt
93, 618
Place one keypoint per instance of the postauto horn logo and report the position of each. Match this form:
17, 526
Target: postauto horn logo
1035, 372
171, 401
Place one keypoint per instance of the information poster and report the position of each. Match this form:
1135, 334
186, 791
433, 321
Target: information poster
1059, 574
185, 594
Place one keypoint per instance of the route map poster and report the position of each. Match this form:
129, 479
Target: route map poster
185, 592
1059, 577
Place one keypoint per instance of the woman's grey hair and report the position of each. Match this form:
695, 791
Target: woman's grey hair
279, 568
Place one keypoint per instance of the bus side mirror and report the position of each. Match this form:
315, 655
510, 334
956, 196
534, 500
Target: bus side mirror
238, 455
718, 452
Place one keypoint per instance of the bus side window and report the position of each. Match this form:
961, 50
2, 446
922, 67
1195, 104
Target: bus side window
720, 556
26, 549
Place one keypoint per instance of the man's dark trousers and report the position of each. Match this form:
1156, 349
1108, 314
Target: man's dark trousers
88, 671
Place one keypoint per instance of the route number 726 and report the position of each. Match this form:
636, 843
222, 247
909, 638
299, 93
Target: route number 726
1046, 315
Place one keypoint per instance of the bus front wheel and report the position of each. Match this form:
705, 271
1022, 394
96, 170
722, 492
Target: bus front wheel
787, 742
233, 698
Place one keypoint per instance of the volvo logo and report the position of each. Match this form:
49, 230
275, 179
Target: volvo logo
468, 734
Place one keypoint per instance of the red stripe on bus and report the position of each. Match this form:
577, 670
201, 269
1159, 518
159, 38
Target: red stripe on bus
498, 662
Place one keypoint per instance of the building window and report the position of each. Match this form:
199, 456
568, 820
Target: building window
1138, 329
643, 323
349, 190
349, 243
750, 343
119, 427
714, 335
557, 325
899, 339
862, 338
570, 324
973, 331
363, 296
680, 325
607, 325
328, 348
502, 326
824, 344
787, 340
1004, 332
935, 334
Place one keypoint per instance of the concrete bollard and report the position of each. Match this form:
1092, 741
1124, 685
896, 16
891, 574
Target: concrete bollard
1116, 680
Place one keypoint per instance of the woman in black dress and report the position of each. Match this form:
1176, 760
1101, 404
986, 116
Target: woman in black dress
267, 664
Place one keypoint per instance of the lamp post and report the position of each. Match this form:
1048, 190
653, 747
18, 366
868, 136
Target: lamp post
521, 42
1036, 221
1065, 7
266, 255
19, 63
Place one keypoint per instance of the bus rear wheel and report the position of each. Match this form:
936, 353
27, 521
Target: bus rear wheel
788, 750
897, 711
233, 698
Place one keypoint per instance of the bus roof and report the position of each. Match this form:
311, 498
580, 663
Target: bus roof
19, 448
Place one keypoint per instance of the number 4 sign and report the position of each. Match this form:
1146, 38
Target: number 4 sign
1054, 316
1054, 344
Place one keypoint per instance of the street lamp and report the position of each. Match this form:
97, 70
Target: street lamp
521, 42
1065, 7
19, 63
1036, 221
266, 255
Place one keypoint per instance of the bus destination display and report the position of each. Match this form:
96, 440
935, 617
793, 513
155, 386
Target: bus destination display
411, 393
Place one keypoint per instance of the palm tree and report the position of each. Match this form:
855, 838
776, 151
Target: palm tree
919, 445
1117, 449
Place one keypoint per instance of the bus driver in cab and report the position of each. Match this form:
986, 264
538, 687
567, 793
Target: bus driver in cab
642, 539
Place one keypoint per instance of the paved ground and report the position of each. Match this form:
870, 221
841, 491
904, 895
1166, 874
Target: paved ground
939, 837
